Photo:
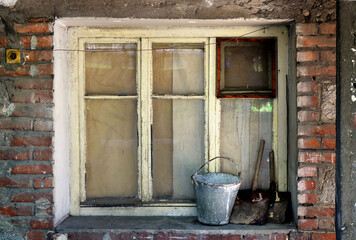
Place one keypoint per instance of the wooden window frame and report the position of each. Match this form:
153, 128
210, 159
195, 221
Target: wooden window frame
238, 93
79, 36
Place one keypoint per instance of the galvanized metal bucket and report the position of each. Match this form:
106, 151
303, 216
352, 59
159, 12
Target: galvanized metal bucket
215, 194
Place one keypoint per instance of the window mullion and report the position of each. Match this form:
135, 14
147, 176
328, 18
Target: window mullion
214, 117
146, 108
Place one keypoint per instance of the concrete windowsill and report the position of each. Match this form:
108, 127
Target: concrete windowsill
182, 225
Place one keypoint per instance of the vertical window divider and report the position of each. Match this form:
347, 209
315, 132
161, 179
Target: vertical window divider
82, 125
214, 118
145, 92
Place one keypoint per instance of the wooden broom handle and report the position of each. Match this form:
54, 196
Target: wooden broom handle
258, 165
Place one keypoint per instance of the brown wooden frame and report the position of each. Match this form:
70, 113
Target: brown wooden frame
271, 43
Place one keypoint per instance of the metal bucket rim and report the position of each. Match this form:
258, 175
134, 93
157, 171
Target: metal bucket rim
217, 185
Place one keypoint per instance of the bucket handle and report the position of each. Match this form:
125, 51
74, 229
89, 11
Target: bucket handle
196, 172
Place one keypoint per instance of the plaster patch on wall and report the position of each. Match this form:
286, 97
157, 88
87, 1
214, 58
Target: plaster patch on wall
326, 188
33, 42
328, 106
6, 107
33, 70
8, 3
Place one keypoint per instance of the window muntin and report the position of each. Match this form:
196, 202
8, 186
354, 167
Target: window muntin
212, 110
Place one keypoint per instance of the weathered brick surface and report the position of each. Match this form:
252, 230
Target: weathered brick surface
306, 185
35, 236
19, 210
308, 224
14, 181
31, 197
43, 154
36, 42
34, 28
45, 182
34, 140
32, 169
12, 154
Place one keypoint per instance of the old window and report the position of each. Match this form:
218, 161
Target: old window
145, 116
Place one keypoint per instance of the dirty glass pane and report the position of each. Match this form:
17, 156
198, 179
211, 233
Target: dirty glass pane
178, 68
247, 67
111, 151
178, 146
110, 69
244, 122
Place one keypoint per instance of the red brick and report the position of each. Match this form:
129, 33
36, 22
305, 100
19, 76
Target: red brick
44, 69
36, 84
315, 157
308, 143
43, 125
307, 172
299, 236
49, 211
35, 236
37, 20
329, 143
3, 42
307, 56
318, 41
312, 71
20, 71
307, 101
308, 116
36, 56
324, 130
328, 28
41, 224
11, 154
309, 224
45, 182
324, 236
33, 28
307, 87
32, 169
257, 237
31, 140
307, 198
328, 56
316, 211
14, 182
164, 236
280, 236
86, 236
43, 154
41, 41
32, 97
327, 224
16, 211
32, 110
31, 197
15, 124
130, 235
304, 185
306, 29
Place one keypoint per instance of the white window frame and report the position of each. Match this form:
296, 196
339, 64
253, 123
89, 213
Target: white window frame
79, 36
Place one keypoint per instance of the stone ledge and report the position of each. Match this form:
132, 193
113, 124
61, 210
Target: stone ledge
181, 225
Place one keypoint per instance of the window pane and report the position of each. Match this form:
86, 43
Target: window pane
246, 67
111, 157
110, 69
178, 68
244, 122
178, 146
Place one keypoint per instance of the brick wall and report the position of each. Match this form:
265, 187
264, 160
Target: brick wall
26, 131
316, 99
26, 136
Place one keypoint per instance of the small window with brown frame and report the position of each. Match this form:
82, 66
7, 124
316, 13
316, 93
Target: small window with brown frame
246, 67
